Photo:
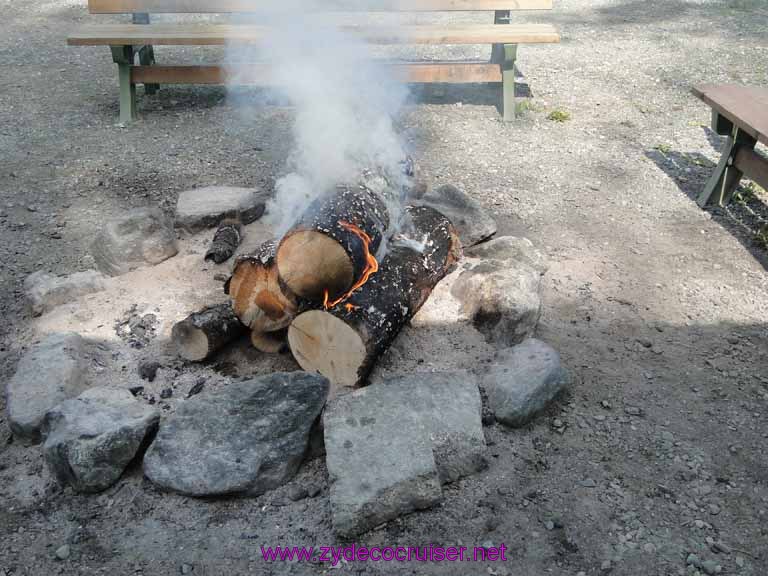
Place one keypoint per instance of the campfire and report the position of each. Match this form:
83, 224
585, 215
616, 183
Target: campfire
320, 289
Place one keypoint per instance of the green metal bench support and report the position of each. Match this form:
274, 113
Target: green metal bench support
123, 56
146, 53
505, 55
726, 177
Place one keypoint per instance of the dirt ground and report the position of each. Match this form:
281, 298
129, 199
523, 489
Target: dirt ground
659, 309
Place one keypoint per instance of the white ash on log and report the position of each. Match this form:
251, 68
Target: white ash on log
201, 334
259, 299
344, 341
225, 241
331, 246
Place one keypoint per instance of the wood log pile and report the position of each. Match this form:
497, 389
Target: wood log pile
322, 291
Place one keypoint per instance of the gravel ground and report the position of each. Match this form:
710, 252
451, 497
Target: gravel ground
659, 309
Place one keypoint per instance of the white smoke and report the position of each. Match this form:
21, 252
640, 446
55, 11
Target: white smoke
345, 105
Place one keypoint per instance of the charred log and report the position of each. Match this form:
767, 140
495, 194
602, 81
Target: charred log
201, 334
225, 241
259, 299
325, 251
343, 342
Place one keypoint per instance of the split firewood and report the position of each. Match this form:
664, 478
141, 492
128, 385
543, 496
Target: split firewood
330, 248
270, 342
259, 299
225, 241
344, 341
201, 334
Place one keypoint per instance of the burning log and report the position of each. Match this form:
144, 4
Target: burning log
259, 299
201, 334
270, 342
225, 241
343, 341
331, 247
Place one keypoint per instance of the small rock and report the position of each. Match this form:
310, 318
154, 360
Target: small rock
91, 439
649, 548
49, 373
588, 483
62, 552
633, 410
510, 249
606, 566
693, 560
246, 438
721, 547
549, 525
297, 493
206, 207
472, 222
313, 490
714, 509
219, 277
136, 390
186, 569
197, 388
711, 567
166, 393
522, 381
148, 370
45, 292
740, 562
139, 237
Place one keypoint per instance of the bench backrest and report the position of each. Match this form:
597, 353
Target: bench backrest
244, 6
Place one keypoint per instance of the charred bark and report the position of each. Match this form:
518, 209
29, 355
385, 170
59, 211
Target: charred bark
201, 334
259, 299
322, 252
225, 241
344, 342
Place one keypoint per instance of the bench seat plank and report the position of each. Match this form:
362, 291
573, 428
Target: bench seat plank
259, 74
745, 106
218, 34
246, 6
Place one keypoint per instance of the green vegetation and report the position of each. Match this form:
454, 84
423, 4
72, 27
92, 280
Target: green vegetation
664, 148
559, 116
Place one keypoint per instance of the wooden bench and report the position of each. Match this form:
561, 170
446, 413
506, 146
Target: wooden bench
741, 113
138, 38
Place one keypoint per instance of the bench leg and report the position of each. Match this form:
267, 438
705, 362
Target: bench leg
146, 53
726, 177
123, 57
508, 81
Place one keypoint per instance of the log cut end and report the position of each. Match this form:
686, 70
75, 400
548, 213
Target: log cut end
269, 342
258, 298
191, 342
311, 262
323, 343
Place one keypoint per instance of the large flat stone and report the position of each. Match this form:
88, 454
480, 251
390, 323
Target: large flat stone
49, 373
380, 463
523, 380
390, 445
91, 439
247, 438
206, 207
137, 238
45, 291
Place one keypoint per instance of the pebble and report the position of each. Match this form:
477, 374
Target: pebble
740, 561
693, 560
633, 411
721, 547
605, 566
714, 509
599, 417
649, 548
699, 524
62, 552
711, 567
186, 569
166, 393
557, 423
148, 370
588, 483
297, 493
313, 490
549, 525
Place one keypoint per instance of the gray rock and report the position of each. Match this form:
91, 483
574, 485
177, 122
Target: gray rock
449, 408
249, 437
49, 373
207, 207
510, 249
45, 292
91, 439
391, 444
503, 300
522, 380
471, 221
62, 552
140, 237
380, 464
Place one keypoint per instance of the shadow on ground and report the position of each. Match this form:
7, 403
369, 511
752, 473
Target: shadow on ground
745, 217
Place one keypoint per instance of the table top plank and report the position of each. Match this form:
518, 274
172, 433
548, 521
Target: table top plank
745, 106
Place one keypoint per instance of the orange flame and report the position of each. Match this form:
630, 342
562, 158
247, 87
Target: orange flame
371, 266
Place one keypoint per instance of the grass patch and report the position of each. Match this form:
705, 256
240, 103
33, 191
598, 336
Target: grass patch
761, 237
663, 148
559, 116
